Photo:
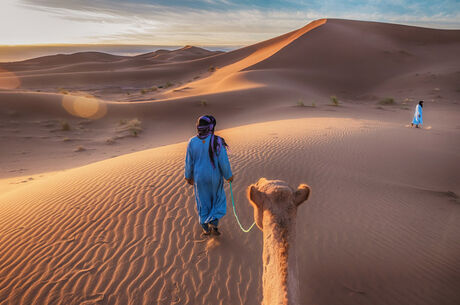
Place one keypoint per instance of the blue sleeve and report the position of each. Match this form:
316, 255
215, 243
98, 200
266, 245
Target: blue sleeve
189, 162
224, 164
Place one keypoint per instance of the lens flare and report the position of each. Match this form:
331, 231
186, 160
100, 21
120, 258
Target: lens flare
87, 107
8, 80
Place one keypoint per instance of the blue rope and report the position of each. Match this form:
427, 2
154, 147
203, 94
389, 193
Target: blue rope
234, 212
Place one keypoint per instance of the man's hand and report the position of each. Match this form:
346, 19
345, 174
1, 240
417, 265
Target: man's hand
230, 179
189, 181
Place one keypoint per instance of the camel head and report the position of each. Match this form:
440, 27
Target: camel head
276, 198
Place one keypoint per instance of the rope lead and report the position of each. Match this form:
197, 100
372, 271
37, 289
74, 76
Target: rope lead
234, 212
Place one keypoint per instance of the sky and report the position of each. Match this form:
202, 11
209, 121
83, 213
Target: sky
198, 22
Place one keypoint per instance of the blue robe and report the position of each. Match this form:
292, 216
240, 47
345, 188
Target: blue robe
418, 111
208, 184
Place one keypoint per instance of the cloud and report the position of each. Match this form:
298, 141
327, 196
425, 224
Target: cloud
216, 22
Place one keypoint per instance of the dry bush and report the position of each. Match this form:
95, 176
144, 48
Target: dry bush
65, 126
130, 128
388, 101
334, 100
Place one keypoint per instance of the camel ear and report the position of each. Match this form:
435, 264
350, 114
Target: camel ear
255, 197
302, 194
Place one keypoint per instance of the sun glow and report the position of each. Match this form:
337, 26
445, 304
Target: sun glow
87, 107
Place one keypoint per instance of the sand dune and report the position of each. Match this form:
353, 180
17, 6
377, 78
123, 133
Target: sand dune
124, 231
94, 213
316, 59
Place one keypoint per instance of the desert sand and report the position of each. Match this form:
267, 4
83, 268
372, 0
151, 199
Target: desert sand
94, 208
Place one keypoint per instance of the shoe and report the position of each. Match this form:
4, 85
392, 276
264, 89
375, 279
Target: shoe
214, 230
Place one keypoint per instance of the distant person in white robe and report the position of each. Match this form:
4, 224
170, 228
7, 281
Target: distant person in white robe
418, 115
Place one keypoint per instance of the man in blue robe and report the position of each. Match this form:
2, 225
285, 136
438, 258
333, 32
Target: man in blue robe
418, 115
206, 165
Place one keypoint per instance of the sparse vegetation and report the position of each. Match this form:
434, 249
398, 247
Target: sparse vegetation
130, 127
110, 141
203, 103
62, 91
66, 139
334, 100
65, 126
300, 103
79, 149
211, 69
388, 101
151, 89
168, 84
313, 104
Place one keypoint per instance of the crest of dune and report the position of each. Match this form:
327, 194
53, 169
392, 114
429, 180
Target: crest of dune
228, 77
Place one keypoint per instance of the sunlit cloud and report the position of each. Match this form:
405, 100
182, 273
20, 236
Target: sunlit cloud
199, 22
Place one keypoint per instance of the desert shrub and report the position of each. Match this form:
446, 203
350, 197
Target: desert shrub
62, 91
212, 69
130, 127
334, 100
168, 84
143, 91
154, 88
203, 103
79, 149
66, 139
110, 141
313, 104
387, 101
122, 122
65, 126
300, 103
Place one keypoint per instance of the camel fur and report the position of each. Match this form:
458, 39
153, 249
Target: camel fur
275, 206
